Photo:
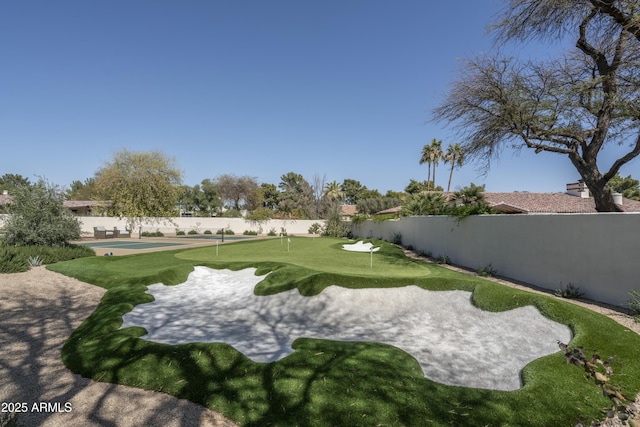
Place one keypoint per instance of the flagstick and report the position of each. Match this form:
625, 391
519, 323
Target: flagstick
371, 250
217, 240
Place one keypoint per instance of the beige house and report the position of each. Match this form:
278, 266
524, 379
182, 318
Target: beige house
78, 207
347, 212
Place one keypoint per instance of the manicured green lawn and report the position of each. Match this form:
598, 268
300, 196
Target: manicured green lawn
326, 382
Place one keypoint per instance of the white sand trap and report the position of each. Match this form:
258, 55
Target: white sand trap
454, 342
360, 247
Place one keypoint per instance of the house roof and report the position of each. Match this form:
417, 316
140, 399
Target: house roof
5, 199
390, 211
523, 202
348, 210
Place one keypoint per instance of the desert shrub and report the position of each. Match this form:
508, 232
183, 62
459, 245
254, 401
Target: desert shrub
227, 231
397, 239
11, 261
570, 291
443, 259
192, 232
487, 271
250, 233
272, 232
180, 233
335, 226
634, 304
35, 261
38, 217
156, 233
315, 228
207, 232
14, 259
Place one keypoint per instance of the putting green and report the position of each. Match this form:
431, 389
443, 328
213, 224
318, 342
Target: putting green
324, 381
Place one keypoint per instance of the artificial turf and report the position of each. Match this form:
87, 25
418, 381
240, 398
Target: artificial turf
327, 382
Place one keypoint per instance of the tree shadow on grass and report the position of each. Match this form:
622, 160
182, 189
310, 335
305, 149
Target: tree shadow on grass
35, 321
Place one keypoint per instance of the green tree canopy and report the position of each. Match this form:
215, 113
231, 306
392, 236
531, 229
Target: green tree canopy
628, 187
10, 181
296, 199
140, 186
82, 190
38, 217
270, 195
352, 190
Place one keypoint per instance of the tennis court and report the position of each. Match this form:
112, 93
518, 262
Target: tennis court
129, 244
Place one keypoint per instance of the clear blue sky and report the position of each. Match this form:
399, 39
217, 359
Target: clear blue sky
259, 88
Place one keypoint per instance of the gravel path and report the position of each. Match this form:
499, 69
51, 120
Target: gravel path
39, 309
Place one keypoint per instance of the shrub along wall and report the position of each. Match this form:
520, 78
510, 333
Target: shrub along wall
168, 226
599, 253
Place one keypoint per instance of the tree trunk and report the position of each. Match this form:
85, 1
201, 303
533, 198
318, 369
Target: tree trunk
596, 184
434, 176
453, 163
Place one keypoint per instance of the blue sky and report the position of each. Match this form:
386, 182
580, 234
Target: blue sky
260, 88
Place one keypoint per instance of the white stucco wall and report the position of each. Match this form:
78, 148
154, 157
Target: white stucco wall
238, 225
599, 253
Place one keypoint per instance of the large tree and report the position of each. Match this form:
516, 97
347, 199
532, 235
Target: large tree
296, 199
573, 105
240, 192
142, 186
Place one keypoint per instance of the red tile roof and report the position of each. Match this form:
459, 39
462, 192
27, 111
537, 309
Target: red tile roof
523, 202
348, 210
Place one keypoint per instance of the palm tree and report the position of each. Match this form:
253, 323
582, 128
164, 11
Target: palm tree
333, 191
436, 155
455, 156
426, 158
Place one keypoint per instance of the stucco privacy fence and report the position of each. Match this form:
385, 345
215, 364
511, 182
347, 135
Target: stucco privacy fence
599, 253
168, 226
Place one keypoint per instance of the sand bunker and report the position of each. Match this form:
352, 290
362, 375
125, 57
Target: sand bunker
360, 247
454, 342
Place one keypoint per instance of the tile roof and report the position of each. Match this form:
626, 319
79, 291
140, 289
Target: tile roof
390, 211
6, 199
523, 202
348, 210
